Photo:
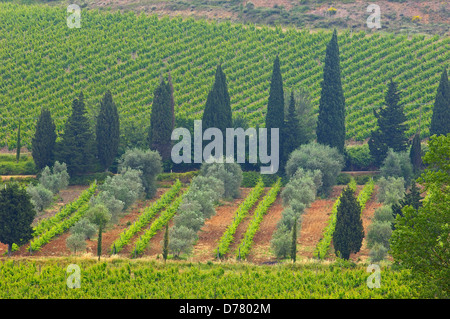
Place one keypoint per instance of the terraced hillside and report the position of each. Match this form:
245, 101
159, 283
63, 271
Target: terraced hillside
46, 63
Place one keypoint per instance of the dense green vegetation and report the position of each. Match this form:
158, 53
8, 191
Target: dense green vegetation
126, 54
136, 279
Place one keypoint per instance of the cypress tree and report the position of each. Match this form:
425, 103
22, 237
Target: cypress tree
217, 112
391, 127
440, 120
331, 120
161, 121
349, 231
291, 129
275, 111
18, 145
43, 142
77, 143
166, 243
414, 153
172, 100
108, 131
16, 215
294, 242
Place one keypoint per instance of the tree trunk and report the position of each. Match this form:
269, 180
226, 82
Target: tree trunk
99, 242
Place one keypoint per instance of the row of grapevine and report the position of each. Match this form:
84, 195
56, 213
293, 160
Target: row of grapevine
324, 244
125, 279
158, 224
59, 228
261, 210
145, 218
65, 212
241, 212
366, 193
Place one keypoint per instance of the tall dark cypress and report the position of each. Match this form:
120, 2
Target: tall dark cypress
172, 100
415, 153
391, 126
275, 111
217, 112
331, 120
77, 147
292, 139
294, 242
440, 121
349, 232
18, 145
108, 131
43, 142
161, 121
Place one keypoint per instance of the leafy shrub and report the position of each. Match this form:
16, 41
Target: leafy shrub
148, 162
397, 165
358, 158
281, 242
378, 252
41, 197
302, 187
56, 178
76, 242
115, 206
190, 215
314, 156
181, 239
343, 179
229, 173
126, 187
391, 190
85, 228
384, 214
379, 232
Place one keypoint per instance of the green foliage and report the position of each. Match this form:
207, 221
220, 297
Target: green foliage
383, 214
76, 148
148, 162
9, 166
181, 240
379, 232
349, 232
390, 190
161, 121
314, 156
331, 120
378, 252
41, 197
440, 120
358, 157
245, 245
85, 228
229, 173
44, 140
415, 154
420, 240
240, 213
147, 215
126, 187
58, 224
56, 178
107, 131
76, 242
397, 164
16, 215
391, 126
367, 63
217, 111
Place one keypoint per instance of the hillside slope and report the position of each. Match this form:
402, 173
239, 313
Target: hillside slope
45, 63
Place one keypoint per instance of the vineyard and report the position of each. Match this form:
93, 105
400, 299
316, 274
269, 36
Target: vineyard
143, 279
46, 64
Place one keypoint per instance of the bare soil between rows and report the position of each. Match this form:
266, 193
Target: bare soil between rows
314, 221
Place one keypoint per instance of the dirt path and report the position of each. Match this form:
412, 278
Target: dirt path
214, 228
261, 251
